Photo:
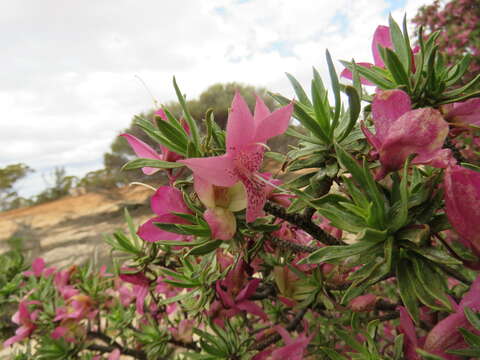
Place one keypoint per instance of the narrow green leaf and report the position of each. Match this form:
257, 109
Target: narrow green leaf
354, 108
205, 248
142, 162
407, 292
336, 91
190, 121
473, 318
302, 96
336, 252
399, 44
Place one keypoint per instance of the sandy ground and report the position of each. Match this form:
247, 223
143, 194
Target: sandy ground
70, 229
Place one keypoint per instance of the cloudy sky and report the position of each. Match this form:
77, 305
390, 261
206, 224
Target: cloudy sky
69, 69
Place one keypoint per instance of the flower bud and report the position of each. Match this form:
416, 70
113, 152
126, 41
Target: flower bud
462, 196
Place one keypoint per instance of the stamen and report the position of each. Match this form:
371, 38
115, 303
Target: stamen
270, 183
264, 145
142, 184
155, 101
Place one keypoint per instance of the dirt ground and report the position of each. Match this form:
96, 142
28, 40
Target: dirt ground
69, 230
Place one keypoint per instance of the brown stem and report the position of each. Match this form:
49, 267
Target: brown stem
303, 223
297, 248
273, 338
137, 354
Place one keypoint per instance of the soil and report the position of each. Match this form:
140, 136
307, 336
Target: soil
70, 230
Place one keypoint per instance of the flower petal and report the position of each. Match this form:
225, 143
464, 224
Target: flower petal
274, 124
152, 233
421, 132
240, 124
387, 107
381, 37
143, 150
261, 111
168, 199
219, 170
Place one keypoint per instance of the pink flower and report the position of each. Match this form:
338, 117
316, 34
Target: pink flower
462, 196
141, 287
467, 112
380, 37
61, 282
164, 202
445, 335
39, 269
25, 319
294, 349
401, 132
231, 306
144, 150
244, 154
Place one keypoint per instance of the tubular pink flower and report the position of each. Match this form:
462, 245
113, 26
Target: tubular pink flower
39, 269
164, 202
25, 319
244, 154
141, 286
144, 150
462, 196
467, 112
401, 132
380, 37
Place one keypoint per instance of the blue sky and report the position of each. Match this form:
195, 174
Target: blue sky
70, 71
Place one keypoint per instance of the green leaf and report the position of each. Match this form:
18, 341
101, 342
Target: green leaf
407, 292
396, 69
321, 109
402, 215
157, 136
336, 91
354, 107
190, 121
205, 248
173, 133
427, 356
332, 355
472, 317
374, 74
461, 90
338, 252
399, 44
431, 282
302, 96
158, 164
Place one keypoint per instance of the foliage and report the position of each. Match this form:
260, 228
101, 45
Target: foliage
458, 22
370, 249
9, 175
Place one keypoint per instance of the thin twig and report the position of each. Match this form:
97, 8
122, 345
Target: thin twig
273, 338
303, 223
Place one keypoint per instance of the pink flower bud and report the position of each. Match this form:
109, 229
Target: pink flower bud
462, 195
401, 132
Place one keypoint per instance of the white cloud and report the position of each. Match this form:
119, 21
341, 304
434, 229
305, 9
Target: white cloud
69, 69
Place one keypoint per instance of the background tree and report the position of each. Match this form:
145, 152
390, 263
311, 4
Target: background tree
62, 184
459, 23
9, 175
